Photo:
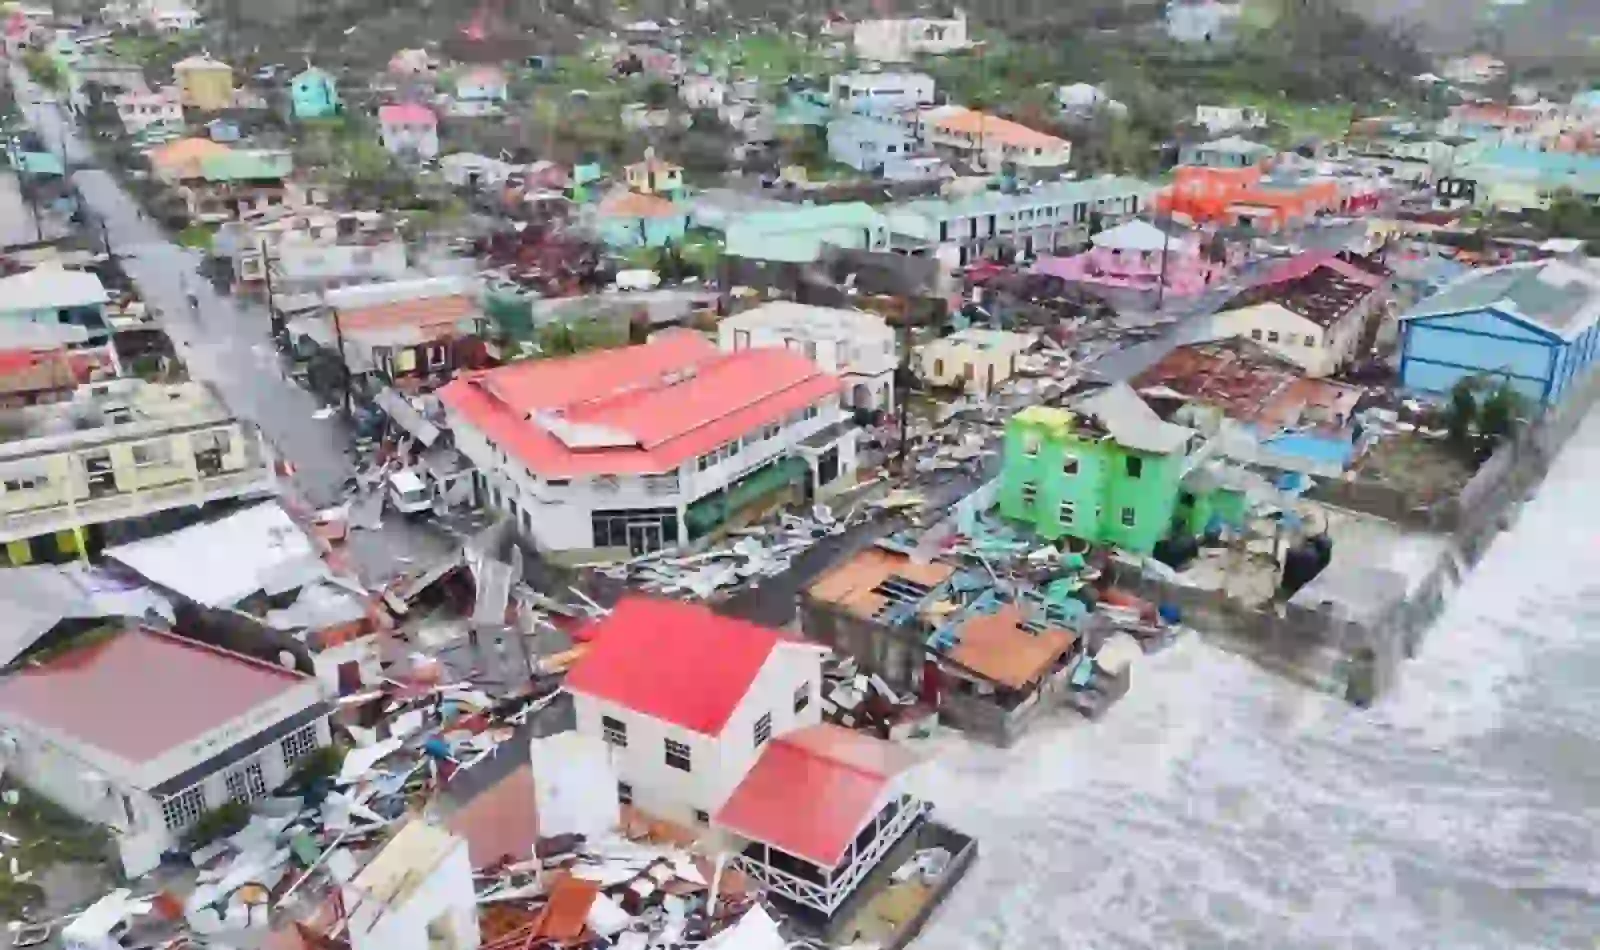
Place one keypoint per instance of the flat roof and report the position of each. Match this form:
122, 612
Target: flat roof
108, 412
139, 693
854, 585
996, 646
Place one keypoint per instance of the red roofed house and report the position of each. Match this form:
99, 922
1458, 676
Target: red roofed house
644, 447
409, 130
717, 721
143, 732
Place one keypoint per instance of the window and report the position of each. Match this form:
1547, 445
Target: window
153, 453
1255, 334
1030, 446
1185, 500
706, 461
615, 731
183, 809
1310, 340
938, 369
1128, 518
741, 339
1069, 465
246, 783
26, 483
299, 744
771, 431
1272, 337
1030, 494
702, 817
625, 793
811, 412
1068, 512
763, 730
811, 349
1135, 466
802, 697
678, 756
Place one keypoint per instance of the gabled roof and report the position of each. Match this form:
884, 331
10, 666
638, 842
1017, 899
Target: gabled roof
813, 790
407, 113
991, 128
675, 662
423, 313
200, 62
636, 409
1559, 298
140, 693
1139, 235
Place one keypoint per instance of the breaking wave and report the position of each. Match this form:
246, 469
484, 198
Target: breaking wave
1219, 807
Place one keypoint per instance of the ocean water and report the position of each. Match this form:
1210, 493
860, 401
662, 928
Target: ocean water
1219, 807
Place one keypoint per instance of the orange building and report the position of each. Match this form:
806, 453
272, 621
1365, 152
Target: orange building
1245, 197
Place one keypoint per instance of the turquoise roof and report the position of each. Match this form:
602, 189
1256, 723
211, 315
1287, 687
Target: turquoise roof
999, 202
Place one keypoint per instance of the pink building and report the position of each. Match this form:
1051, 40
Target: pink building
1129, 256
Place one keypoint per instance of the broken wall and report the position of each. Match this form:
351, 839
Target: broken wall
895, 655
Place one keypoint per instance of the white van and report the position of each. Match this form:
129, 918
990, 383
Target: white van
408, 492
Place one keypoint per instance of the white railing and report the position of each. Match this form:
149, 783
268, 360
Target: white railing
828, 897
133, 504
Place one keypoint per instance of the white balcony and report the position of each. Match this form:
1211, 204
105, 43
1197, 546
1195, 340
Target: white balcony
118, 506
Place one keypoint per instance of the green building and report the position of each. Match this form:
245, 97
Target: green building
1109, 471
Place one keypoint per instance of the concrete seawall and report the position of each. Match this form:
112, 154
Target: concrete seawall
1358, 654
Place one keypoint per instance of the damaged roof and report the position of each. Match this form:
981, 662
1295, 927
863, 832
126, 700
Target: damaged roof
997, 647
637, 409
859, 584
813, 790
676, 662
1318, 285
1249, 384
1131, 422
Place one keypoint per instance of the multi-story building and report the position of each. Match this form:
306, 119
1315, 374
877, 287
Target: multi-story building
1219, 119
1231, 152
1039, 220
812, 807
877, 148
141, 110
856, 346
409, 130
117, 453
874, 92
204, 83
645, 447
1107, 471
1311, 310
988, 142
315, 248
797, 234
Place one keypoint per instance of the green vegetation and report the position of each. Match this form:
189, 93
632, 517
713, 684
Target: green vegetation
226, 819
581, 334
197, 236
43, 70
46, 836
1476, 423
769, 58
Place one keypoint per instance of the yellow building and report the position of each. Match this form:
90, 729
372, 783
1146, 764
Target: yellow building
654, 176
116, 452
975, 360
204, 83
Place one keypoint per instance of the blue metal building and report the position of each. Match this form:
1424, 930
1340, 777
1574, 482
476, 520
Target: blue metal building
1533, 325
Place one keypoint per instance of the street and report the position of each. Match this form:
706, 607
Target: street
228, 343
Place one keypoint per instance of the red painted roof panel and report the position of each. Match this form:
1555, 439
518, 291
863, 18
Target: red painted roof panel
676, 662
141, 692
668, 401
813, 790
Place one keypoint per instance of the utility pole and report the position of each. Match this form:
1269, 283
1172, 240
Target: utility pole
344, 365
1161, 279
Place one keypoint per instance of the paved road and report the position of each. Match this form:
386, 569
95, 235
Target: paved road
228, 343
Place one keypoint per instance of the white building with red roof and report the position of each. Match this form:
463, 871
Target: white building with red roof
409, 130
717, 722
143, 732
634, 449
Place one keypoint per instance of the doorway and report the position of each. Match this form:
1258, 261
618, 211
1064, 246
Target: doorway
644, 538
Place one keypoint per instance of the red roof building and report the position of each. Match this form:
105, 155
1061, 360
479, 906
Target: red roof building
668, 437
814, 790
675, 662
145, 731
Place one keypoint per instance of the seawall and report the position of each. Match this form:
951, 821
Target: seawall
1356, 646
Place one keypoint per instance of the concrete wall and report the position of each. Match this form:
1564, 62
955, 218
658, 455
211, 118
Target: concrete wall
1362, 658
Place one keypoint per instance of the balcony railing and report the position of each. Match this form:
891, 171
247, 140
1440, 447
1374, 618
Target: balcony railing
132, 504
